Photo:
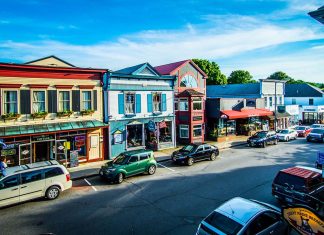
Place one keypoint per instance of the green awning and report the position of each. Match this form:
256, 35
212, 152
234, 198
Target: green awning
50, 127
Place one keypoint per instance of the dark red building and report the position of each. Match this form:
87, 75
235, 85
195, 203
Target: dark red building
190, 96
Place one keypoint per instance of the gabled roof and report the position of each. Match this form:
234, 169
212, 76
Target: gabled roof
302, 90
233, 90
167, 69
141, 69
51, 59
190, 92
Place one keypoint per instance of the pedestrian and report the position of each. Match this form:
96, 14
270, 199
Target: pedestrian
3, 166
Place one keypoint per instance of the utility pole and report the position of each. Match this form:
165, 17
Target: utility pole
275, 111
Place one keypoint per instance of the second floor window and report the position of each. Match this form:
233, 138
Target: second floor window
183, 105
86, 100
270, 101
64, 101
156, 102
38, 101
266, 101
129, 103
311, 101
293, 101
10, 102
197, 104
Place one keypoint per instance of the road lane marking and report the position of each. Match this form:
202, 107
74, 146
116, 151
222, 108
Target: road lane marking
93, 187
166, 167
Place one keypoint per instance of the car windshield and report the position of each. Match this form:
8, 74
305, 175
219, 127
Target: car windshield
189, 148
318, 131
283, 131
223, 223
120, 160
315, 126
301, 128
260, 134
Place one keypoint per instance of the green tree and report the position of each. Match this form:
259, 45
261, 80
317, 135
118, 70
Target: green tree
240, 77
283, 76
215, 76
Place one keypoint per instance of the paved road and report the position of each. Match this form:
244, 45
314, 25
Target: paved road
173, 201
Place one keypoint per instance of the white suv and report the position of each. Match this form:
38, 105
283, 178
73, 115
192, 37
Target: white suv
26, 182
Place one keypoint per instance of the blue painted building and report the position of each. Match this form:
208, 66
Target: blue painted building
139, 108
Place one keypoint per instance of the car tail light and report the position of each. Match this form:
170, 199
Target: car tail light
68, 177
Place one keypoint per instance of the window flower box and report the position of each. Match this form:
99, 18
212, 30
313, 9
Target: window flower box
10, 116
66, 113
87, 112
39, 115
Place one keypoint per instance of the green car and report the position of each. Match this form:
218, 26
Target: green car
127, 164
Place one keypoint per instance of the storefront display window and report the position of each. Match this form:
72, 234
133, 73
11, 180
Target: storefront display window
38, 101
184, 131
130, 103
197, 103
10, 102
183, 105
165, 131
197, 130
310, 118
134, 135
231, 127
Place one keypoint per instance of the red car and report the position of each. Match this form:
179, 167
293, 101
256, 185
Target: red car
303, 130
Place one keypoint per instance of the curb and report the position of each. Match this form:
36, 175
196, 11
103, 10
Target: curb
162, 160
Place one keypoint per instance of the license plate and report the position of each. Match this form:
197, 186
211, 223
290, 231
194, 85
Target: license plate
289, 199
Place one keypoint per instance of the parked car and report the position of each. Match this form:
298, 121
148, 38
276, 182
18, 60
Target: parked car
300, 185
243, 216
27, 182
195, 152
287, 134
263, 138
128, 164
316, 135
317, 126
303, 130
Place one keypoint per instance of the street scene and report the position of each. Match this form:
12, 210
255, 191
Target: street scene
162, 117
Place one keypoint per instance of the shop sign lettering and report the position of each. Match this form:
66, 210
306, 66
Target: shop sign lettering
79, 141
8, 152
304, 220
42, 137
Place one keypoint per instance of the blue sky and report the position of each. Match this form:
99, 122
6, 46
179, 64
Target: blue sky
261, 36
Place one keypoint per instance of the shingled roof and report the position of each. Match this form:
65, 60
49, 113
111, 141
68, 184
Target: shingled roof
167, 69
250, 90
302, 90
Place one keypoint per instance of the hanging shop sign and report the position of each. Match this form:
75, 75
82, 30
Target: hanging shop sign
162, 124
118, 137
281, 108
304, 220
42, 137
79, 141
151, 126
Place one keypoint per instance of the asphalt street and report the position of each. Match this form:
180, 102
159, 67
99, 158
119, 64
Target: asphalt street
173, 201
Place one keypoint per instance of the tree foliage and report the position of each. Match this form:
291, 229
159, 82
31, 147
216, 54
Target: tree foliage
215, 76
240, 77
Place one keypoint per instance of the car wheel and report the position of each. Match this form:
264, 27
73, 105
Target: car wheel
287, 139
52, 193
213, 157
120, 178
151, 170
190, 162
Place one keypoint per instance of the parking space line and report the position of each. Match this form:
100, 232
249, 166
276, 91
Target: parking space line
93, 187
166, 167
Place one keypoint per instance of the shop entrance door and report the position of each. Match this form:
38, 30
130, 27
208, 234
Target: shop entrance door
94, 151
60, 152
25, 154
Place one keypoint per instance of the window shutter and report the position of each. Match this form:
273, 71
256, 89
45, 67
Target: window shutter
76, 100
25, 101
138, 103
95, 100
164, 105
121, 103
52, 101
149, 103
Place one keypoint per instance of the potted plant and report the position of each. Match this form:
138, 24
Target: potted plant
41, 114
66, 113
87, 112
10, 116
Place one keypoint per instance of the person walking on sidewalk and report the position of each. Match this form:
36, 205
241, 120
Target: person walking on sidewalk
3, 166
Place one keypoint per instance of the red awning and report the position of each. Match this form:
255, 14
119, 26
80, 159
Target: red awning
245, 113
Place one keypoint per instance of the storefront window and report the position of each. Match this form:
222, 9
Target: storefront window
231, 127
38, 101
165, 130
134, 135
130, 103
197, 104
86, 100
156, 102
176, 104
184, 131
183, 105
64, 101
78, 143
10, 102
197, 130
310, 118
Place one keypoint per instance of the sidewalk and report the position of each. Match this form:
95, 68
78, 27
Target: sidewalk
92, 169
